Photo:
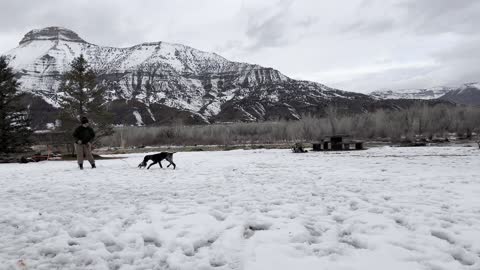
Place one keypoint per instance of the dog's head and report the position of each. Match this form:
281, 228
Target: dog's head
144, 162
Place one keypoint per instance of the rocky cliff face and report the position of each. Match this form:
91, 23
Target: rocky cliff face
52, 33
159, 82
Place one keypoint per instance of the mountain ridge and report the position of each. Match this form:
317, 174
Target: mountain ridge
415, 93
161, 82
465, 94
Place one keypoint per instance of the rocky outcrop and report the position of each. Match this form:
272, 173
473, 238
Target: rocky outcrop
52, 33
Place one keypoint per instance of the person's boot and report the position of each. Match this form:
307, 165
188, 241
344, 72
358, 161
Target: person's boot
93, 166
80, 166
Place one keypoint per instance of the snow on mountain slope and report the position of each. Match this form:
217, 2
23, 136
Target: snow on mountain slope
467, 94
41, 53
429, 93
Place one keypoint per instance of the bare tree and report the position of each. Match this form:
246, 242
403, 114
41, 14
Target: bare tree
391, 125
332, 115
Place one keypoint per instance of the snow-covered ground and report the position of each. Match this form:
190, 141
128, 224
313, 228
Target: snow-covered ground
383, 208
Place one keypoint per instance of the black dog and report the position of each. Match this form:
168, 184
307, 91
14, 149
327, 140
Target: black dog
157, 158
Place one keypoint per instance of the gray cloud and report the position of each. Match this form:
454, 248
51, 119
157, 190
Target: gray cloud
269, 32
369, 27
275, 25
441, 16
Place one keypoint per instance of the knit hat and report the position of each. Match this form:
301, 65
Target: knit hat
84, 120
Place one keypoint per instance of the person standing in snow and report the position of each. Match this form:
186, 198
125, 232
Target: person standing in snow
84, 135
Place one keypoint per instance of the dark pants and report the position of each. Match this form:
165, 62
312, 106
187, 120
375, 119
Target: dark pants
84, 149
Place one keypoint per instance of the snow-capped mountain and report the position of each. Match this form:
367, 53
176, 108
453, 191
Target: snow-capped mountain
428, 93
467, 94
161, 82
43, 55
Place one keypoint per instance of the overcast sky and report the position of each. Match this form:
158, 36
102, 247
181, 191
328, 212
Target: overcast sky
355, 45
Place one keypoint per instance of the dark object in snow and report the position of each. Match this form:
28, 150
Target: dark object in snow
24, 160
414, 143
439, 140
157, 158
337, 143
298, 148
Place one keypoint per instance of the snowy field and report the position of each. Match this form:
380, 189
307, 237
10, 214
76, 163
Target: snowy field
383, 208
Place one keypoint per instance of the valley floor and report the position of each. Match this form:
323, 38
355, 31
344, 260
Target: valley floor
382, 208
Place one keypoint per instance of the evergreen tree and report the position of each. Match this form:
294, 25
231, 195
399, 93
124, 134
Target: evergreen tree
14, 121
81, 94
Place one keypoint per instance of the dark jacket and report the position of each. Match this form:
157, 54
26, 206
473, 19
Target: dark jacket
85, 134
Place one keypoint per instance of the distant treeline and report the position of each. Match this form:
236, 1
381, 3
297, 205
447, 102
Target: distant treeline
391, 125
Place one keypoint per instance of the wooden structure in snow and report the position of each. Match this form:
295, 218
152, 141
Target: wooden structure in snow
337, 143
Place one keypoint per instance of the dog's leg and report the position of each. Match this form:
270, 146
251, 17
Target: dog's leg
151, 165
160, 163
170, 159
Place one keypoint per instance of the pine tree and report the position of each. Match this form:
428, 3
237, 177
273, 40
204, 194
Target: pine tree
15, 129
80, 94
